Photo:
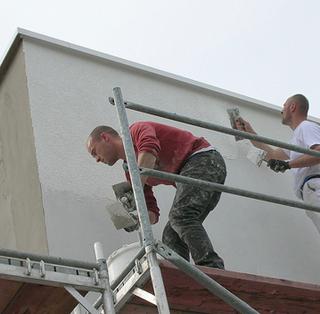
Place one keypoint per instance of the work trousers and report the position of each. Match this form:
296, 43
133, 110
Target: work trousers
311, 195
184, 232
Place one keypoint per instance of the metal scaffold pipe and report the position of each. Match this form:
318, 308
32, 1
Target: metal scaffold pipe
107, 294
227, 189
218, 128
148, 240
204, 280
47, 259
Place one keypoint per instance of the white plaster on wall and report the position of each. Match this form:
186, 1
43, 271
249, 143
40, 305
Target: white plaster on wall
68, 97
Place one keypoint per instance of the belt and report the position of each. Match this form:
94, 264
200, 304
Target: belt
194, 155
306, 179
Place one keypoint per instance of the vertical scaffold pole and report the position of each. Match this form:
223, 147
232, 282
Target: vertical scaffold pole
148, 240
107, 294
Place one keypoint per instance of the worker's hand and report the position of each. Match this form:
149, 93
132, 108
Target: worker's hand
153, 217
128, 201
278, 165
243, 125
132, 228
134, 215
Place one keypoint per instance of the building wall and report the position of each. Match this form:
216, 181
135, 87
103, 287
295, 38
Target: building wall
22, 225
68, 97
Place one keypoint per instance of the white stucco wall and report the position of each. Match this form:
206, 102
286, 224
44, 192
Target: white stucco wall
22, 225
68, 98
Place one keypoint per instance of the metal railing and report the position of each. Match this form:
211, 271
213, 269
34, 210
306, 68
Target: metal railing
61, 272
215, 127
227, 189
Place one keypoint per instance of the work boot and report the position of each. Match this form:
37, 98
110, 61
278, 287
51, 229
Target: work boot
218, 263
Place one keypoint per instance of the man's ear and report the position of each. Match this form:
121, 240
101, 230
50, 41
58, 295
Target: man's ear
104, 136
293, 106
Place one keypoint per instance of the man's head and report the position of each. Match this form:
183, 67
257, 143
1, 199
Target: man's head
295, 110
104, 145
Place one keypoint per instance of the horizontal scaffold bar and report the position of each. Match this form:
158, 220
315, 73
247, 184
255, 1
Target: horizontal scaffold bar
49, 278
216, 127
48, 259
226, 189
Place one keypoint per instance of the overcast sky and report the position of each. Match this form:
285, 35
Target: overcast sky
265, 49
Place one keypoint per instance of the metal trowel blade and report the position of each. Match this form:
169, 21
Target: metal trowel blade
234, 114
119, 216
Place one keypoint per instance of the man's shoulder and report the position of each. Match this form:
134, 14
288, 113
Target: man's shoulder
140, 124
309, 125
155, 127
149, 126
142, 128
136, 127
307, 131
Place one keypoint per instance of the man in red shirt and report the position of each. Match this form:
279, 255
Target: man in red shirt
173, 150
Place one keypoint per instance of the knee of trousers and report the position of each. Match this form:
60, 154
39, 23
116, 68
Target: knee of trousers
167, 232
167, 237
182, 223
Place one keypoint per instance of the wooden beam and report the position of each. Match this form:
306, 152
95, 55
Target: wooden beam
8, 289
266, 295
20, 298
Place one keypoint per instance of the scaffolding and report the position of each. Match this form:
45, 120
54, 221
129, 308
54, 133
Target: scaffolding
153, 247
74, 275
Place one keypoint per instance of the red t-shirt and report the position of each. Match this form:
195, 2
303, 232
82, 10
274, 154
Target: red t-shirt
171, 146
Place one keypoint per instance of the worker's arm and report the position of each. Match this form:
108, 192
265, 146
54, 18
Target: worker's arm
152, 205
146, 160
151, 202
272, 153
300, 162
147, 147
306, 160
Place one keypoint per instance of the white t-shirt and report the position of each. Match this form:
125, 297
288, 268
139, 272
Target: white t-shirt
306, 134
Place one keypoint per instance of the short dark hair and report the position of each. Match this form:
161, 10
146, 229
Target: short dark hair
95, 134
303, 103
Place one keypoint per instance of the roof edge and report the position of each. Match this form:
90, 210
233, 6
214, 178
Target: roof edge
223, 92
24, 33
9, 54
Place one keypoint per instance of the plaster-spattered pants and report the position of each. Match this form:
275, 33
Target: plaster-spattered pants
311, 195
184, 232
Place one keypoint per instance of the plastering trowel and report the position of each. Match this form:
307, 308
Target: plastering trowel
256, 155
120, 216
123, 212
234, 114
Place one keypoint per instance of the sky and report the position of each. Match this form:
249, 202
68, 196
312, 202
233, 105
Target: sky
264, 49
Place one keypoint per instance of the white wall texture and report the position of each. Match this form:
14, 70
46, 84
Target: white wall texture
22, 225
68, 97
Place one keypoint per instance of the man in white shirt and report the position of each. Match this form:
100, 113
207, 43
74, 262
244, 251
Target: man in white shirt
305, 168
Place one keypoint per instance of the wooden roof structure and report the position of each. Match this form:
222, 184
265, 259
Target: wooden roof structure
26, 298
264, 294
